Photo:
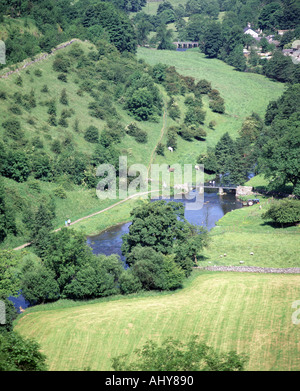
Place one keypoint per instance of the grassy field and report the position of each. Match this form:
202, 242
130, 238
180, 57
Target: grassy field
243, 231
79, 201
243, 93
250, 313
152, 6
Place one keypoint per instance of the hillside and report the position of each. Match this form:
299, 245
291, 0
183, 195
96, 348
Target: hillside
243, 93
250, 313
27, 96
50, 133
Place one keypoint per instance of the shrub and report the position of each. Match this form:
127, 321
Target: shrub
3, 95
91, 134
63, 97
284, 212
13, 129
202, 87
217, 105
61, 64
60, 192
194, 115
62, 77
160, 149
38, 73
15, 109
133, 130
212, 124
19, 81
45, 88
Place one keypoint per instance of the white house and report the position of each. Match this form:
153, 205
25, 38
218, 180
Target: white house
248, 30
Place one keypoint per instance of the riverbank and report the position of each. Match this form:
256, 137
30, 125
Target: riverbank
242, 237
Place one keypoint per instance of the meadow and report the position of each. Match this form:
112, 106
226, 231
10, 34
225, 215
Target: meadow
243, 236
244, 93
248, 312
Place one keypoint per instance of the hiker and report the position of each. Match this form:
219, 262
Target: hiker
69, 222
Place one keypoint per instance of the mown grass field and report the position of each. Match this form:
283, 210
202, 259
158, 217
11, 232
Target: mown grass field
248, 312
243, 231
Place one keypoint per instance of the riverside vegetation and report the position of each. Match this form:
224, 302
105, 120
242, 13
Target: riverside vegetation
87, 104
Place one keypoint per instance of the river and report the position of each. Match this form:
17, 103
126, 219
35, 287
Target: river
214, 208
110, 241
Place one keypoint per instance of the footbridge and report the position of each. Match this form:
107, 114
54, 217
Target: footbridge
186, 44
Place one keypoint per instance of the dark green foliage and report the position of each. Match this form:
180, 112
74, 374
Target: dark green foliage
213, 40
281, 68
19, 354
194, 115
160, 228
38, 283
164, 37
173, 355
13, 129
61, 64
172, 137
155, 270
19, 81
9, 281
284, 212
16, 165
92, 134
217, 105
160, 149
202, 87
40, 224
129, 282
118, 26
153, 225
63, 77
63, 97
140, 135
279, 144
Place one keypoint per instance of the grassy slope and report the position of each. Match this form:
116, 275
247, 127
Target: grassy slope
23, 25
244, 93
243, 231
79, 202
247, 312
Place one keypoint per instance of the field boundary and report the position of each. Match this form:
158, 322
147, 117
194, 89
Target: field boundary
251, 269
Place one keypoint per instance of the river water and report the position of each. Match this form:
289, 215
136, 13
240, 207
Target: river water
110, 241
214, 208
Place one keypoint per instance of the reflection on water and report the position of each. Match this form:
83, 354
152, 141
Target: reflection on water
214, 208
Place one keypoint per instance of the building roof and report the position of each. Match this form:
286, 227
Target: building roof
296, 43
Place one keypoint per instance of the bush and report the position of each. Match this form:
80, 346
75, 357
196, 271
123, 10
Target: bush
13, 129
38, 73
45, 88
15, 109
202, 87
61, 64
140, 135
62, 77
129, 283
160, 149
284, 212
60, 192
217, 105
91, 134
